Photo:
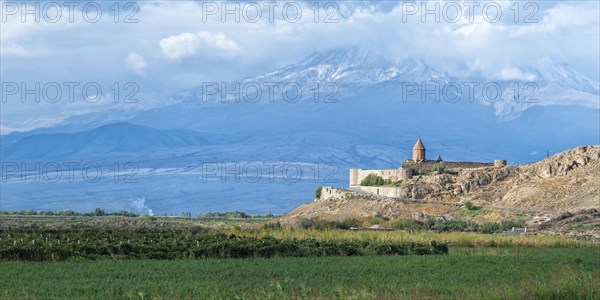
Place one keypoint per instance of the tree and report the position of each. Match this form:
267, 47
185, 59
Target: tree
98, 212
372, 180
318, 192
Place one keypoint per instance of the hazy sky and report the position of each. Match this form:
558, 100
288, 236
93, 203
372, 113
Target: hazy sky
166, 46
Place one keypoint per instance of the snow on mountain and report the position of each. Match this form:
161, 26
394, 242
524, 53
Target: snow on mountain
565, 76
554, 84
354, 69
357, 66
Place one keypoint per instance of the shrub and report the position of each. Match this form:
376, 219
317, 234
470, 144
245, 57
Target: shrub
318, 192
272, 225
372, 180
346, 224
226, 215
306, 223
489, 227
439, 167
406, 224
509, 224
470, 206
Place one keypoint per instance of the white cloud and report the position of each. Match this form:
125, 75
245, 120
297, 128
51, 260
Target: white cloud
220, 42
189, 44
568, 15
513, 73
179, 46
31, 123
136, 63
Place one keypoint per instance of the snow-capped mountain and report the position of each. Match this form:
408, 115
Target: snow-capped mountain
356, 69
371, 103
372, 123
353, 67
554, 84
366, 86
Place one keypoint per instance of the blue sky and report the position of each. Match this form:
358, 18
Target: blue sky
171, 47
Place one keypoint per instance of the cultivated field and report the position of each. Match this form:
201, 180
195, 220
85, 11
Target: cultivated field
483, 274
179, 259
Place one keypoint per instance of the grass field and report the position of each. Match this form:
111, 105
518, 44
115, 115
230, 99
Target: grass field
479, 266
467, 273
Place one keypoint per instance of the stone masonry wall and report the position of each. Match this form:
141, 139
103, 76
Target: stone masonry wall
357, 175
330, 192
387, 191
427, 166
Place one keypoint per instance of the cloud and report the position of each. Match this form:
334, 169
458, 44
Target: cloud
563, 15
513, 73
136, 63
189, 44
13, 49
219, 42
31, 123
172, 38
179, 46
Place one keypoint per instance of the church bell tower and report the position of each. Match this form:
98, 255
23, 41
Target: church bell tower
419, 151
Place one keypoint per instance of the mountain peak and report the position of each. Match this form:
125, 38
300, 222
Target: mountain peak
355, 66
565, 76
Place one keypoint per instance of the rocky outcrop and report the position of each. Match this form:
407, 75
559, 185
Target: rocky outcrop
565, 162
471, 179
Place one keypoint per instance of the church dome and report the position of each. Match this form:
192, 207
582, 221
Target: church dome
419, 145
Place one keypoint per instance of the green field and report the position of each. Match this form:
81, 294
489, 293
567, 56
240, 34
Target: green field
114, 257
467, 273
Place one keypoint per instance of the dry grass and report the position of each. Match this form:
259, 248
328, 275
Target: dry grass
455, 239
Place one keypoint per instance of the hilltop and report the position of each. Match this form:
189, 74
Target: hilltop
557, 193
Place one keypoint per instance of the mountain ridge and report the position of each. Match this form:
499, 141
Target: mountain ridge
120, 137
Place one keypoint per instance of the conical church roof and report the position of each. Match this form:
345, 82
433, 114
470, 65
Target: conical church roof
419, 145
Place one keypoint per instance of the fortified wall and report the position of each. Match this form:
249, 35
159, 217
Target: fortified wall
331, 192
335, 193
452, 166
357, 175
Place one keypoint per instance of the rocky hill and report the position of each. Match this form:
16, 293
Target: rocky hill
565, 186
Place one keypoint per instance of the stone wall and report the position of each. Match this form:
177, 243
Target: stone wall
427, 166
330, 192
387, 191
357, 175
